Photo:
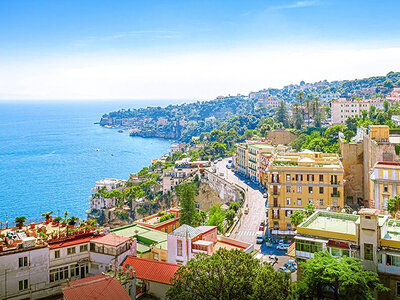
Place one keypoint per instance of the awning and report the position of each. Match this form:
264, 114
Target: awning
303, 238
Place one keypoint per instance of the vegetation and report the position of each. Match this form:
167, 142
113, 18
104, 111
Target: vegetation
47, 215
228, 274
297, 217
20, 221
343, 277
186, 193
166, 217
393, 205
216, 217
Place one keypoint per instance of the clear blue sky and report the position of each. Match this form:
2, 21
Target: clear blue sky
45, 33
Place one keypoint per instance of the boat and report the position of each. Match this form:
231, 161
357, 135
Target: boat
97, 149
120, 131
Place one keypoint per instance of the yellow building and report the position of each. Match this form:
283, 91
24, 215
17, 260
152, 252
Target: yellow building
254, 159
241, 159
379, 133
385, 184
295, 179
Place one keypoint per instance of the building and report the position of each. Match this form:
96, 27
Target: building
342, 109
177, 147
156, 222
186, 241
385, 184
96, 287
24, 266
241, 159
395, 95
151, 243
152, 277
295, 179
97, 201
373, 238
254, 159
396, 120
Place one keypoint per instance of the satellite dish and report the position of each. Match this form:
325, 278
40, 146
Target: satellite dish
328, 208
343, 210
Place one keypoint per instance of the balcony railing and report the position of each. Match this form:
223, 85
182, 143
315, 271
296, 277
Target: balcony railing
337, 194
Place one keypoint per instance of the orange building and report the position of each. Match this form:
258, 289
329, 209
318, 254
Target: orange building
157, 221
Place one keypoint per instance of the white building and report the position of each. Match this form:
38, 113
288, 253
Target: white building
342, 109
110, 184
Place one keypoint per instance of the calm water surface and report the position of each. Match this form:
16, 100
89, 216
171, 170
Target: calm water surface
48, 157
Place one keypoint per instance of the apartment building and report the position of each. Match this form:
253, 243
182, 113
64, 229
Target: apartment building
395, 95
254, 159
186, 241
385, 184
109, 184
241, 159
295, 179
342, 109
373, 238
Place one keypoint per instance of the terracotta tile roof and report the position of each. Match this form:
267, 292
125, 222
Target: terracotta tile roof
95, 287
112, 240
72, 242
151, 270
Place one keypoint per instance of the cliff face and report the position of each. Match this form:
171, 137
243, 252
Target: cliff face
155, 133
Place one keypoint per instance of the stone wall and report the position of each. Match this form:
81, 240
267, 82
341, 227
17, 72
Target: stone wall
353, 165
281, 137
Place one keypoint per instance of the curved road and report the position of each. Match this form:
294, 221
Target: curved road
248, 225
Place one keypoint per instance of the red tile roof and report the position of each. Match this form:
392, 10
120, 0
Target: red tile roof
112, 240
151, 270
72, 242
95, 287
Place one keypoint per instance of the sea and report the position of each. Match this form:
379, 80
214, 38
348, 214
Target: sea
52, 153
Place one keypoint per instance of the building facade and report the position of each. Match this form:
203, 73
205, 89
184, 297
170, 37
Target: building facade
342, 109
295, 179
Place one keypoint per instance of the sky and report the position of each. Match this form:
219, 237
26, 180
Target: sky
194, 50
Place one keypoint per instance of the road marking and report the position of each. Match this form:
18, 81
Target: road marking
247, 233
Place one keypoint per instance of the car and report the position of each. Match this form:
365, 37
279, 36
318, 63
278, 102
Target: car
284, 269
262, 223
265, 195
220, 159
246, 210
228, 166
221, 174
230, 161
282, 247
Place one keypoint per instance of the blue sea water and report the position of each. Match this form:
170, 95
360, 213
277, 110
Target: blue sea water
48, 157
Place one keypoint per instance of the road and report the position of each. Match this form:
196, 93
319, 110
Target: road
248, 225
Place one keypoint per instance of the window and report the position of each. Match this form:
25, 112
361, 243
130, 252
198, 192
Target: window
74, 270
179, 248
299, 189
83, 248
368, 252
59, 274
334, 202
155, 256
310, 189
392, 260
23, 261
398, 288
288, 189
71, 250
385, 188
299, 177
321, 189
321, 202
23, 285
288, 201
57, 254
310, 177
299, 201
308, 246
288, 177
310, 200
288, 213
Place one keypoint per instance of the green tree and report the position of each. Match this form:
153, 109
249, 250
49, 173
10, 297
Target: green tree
348, 135
393, 205
282, 115
310, 209
351, 124
300, 96
343, 277
297, 217
216, 217
186, 193
234, 205
386, 105
131, 194
227, 274
230, 216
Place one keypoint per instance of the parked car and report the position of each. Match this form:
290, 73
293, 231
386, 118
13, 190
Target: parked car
282, 247
221, 174
228, 166
265, 195
230, 161
220, 159
284, 269
260, 237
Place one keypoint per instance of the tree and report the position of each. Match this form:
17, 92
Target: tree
131, 194
72, 220
393, 204
351, 123
20, 221
300, 96
227, 274
297, 217
386, 105
281, 114
230, 216
310, 209
343, 277
348, 135
186, 193
216, 217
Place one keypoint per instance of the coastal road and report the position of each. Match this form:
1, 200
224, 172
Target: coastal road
248, 225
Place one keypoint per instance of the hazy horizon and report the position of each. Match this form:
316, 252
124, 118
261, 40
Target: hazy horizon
189, 50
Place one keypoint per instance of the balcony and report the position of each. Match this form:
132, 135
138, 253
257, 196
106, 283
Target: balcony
337, 194
335, 182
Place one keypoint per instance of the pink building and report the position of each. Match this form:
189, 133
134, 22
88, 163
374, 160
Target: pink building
186, 241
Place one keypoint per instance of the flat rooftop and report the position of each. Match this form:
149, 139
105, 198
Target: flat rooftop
332, 222
146, 235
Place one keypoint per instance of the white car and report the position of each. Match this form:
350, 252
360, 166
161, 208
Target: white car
282, 247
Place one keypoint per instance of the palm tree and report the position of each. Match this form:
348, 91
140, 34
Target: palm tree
300, 97
308, 101
72, 220
393, 205
20, 221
